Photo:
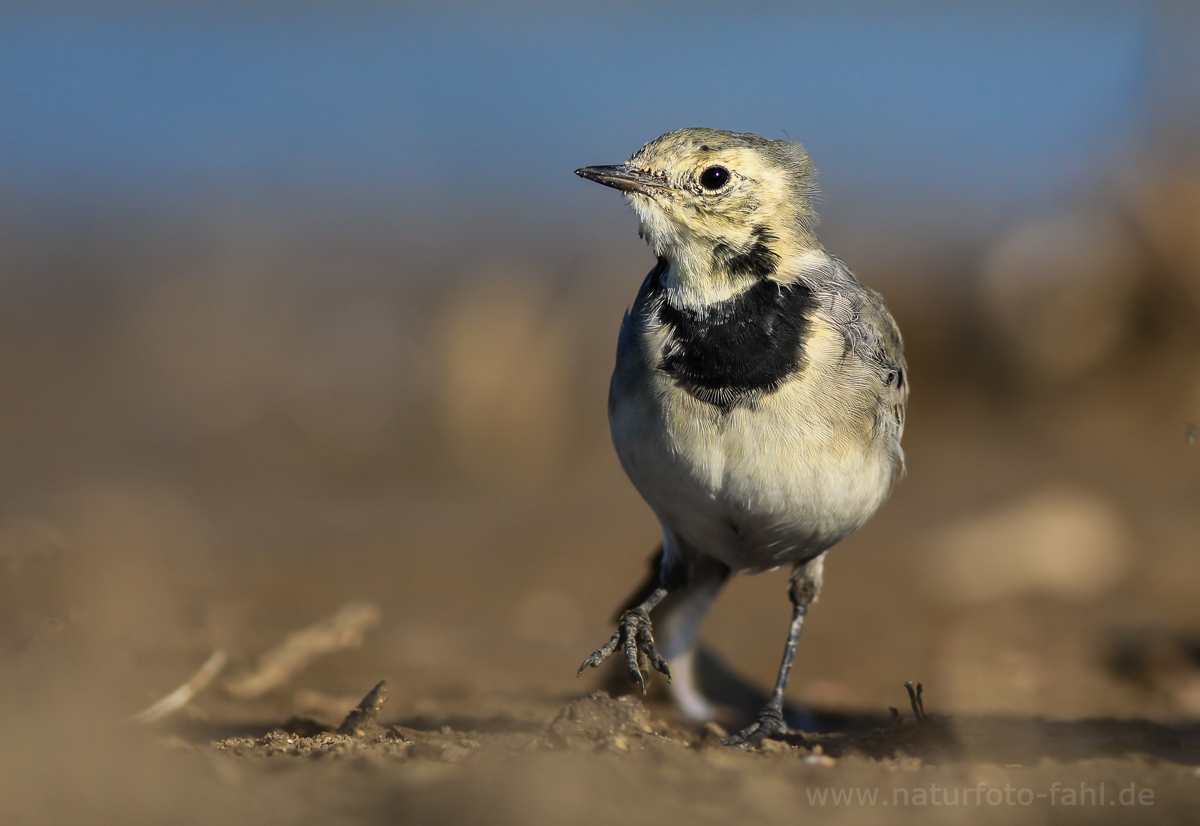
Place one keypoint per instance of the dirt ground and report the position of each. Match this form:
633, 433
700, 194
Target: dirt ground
211, 448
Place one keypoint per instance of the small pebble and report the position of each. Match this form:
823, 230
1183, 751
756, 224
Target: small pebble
818, 760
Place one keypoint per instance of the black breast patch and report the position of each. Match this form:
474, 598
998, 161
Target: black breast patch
744, 346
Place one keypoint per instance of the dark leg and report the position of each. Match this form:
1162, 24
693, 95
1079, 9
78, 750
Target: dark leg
634, 633
676, 622
803, 590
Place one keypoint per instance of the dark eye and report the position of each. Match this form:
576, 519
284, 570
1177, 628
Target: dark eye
714, 177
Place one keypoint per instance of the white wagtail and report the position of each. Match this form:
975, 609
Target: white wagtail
759, 393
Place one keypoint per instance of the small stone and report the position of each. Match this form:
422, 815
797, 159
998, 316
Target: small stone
406, 734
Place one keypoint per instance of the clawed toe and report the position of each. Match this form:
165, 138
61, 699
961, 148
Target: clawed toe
602, 653
635, 636
769, 724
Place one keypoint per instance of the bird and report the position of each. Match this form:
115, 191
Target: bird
759, 394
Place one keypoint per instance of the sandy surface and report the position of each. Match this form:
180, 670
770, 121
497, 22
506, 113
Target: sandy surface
219, 458
488, 603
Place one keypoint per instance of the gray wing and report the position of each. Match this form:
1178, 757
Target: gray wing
883, 349
873, 339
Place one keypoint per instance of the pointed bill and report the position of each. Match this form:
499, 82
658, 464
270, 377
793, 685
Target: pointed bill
625, 178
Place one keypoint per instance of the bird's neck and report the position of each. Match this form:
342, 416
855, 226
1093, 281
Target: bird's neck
695, 279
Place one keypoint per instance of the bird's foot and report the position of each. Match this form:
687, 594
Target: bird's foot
770, 723
635, 636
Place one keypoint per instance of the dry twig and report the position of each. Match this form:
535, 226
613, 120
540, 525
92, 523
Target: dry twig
183, 695
343, 630
917, 701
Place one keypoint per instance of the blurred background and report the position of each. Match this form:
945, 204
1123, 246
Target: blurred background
300, 303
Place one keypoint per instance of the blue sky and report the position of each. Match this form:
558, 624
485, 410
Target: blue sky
905, 101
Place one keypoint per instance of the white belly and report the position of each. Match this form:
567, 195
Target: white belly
756, 487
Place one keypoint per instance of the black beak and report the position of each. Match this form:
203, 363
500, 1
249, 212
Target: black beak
625, 178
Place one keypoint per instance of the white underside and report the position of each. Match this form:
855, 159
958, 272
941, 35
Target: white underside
757, 487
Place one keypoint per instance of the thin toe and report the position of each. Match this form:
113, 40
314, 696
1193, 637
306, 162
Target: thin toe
645, 641
767, 725
635, 636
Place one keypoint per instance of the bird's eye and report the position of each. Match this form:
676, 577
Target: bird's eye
714, 177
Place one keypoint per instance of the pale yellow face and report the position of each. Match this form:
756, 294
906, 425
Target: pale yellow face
715, 190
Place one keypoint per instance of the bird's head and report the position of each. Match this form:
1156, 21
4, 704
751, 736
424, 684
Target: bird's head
723, 207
